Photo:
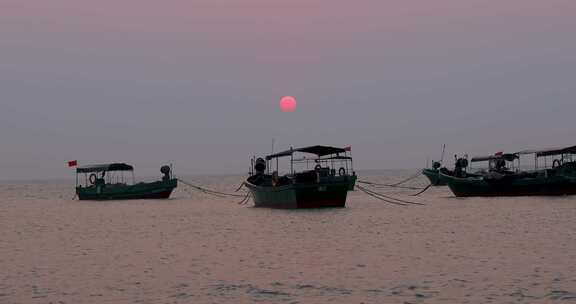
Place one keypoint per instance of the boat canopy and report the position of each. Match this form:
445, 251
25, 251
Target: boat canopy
337, 157
505, 156
550, 152
567, 150
104, 167
317, 150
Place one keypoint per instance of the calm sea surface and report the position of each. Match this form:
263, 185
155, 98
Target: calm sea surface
195, 248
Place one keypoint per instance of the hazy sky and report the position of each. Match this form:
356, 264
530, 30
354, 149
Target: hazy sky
197, 83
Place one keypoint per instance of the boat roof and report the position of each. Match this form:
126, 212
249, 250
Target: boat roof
552, 151
317, 150
104, 167
337, 157
504, 156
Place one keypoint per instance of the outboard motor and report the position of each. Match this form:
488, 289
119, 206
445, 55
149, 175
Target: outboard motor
166, 171
436, 165
260, 166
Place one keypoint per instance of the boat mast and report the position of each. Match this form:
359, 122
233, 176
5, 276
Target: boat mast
442, 156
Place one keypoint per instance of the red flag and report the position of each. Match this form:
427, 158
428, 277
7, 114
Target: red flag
73, 163
349, 148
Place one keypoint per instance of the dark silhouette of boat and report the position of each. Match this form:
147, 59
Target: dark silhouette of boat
107, 182
502, 180
326, 184
433, 174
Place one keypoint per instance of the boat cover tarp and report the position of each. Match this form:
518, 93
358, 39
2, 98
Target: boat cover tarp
506, 157
567, 150
550, 152
318, 150
105, 167
337, 158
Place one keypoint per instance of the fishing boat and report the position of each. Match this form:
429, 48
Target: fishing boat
433, 174
320, 181
107, 182
503, 180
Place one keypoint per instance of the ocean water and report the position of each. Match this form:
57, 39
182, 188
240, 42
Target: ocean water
195, 248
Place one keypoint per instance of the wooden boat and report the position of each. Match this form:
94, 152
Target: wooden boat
499, 180
107, 182
433, 174
320, 187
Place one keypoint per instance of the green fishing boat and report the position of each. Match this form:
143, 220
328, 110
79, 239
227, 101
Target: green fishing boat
318, 182
433, 175
107, 182
502, 180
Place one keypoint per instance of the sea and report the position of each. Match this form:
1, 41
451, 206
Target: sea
199, 248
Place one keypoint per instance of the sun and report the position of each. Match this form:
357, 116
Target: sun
288, 104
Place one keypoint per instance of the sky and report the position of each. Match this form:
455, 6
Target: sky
197, 83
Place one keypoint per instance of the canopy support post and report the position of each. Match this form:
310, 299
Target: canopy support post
291, 162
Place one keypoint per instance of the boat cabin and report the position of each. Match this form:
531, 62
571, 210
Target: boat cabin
552, 158
104, 174
306, 165
499, 162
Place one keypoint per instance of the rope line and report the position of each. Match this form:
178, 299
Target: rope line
389, 185
396, 185
209, 191
246, 199
407, 180
393, 198
240, 187
423, 190
387, 198
379, 198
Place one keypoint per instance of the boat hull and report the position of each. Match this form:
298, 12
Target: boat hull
529, 186
434, 177
302, 196
154, 190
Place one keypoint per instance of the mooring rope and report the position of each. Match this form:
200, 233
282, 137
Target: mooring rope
407, 179
209, 191
379, 198
246, 199
387, 198
191, 189
394, 198
395, 185
423, 190
388, 185
240, 187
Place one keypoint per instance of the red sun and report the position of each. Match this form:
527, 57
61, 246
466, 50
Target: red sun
288, 104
